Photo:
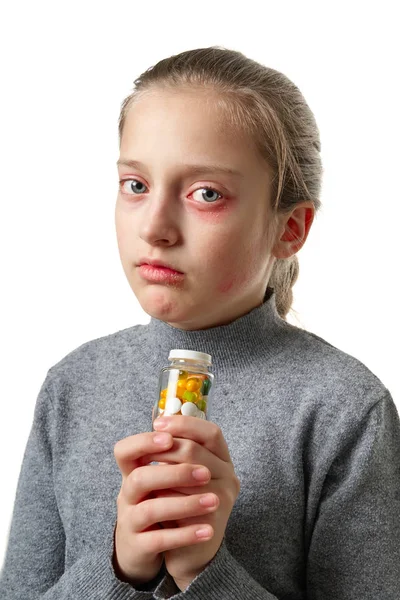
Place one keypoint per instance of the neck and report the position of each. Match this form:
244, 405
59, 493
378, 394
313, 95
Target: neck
232, 346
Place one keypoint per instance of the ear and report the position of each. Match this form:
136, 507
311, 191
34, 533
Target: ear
293, 230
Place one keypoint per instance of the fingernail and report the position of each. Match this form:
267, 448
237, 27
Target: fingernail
161, 423
162, 438
204, 532
208, 500
201, 474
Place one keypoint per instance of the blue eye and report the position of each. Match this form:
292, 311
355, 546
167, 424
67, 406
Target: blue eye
207, 192
131, 187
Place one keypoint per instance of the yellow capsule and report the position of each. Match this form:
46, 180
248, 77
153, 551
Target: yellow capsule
163, 393
180, 392
193, 385
181, 384
161, 403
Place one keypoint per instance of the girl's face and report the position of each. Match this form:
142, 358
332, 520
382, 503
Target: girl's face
219, 238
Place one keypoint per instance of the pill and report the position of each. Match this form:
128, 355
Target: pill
202, 404
193, 384
205, 388
190, 396
189, 409
172, 406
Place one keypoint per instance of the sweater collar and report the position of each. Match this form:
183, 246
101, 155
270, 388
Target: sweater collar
232, 346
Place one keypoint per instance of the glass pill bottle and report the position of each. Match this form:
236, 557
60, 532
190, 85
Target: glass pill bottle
185, 385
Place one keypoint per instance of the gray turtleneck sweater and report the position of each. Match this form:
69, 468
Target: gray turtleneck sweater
314, 437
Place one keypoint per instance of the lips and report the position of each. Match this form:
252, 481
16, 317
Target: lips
161, 275
158, 263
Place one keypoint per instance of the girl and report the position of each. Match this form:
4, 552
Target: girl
293, 489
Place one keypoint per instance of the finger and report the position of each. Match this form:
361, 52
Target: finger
206, 433
157, 510
144, 480
129, 451
155, 542
187, 451
178, 494
175, 494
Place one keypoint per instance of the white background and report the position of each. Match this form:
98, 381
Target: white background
66, 68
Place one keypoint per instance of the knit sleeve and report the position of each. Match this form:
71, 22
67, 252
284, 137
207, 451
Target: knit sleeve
224, 578
34, 561
355, 545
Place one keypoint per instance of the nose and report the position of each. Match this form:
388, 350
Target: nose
159, 220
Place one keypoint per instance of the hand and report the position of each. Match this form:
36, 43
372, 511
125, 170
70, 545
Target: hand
139, 541
197, 441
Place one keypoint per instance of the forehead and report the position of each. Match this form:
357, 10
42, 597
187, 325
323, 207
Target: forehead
178, 125
185, 107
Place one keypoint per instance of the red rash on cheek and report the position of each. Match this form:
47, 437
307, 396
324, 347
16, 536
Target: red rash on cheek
226, 285
233, 282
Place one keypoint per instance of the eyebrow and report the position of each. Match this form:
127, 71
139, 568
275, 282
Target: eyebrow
192, 169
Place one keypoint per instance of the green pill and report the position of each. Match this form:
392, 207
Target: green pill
205, 388
201, 404
190, 396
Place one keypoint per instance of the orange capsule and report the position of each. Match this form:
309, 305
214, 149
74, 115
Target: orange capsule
161, 403
193, 384
181, 384
179, 393
163, 393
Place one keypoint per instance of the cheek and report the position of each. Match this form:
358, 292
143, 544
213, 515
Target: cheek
233, 282
119, 221
124, 229
235, 267
227, 284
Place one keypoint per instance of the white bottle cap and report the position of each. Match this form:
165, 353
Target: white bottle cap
190, 355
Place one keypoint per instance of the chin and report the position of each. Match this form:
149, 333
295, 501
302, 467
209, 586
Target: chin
162, 303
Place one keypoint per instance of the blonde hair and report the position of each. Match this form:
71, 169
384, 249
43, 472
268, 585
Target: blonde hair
265, 104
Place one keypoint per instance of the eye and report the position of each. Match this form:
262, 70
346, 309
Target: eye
206, 191
122, 181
